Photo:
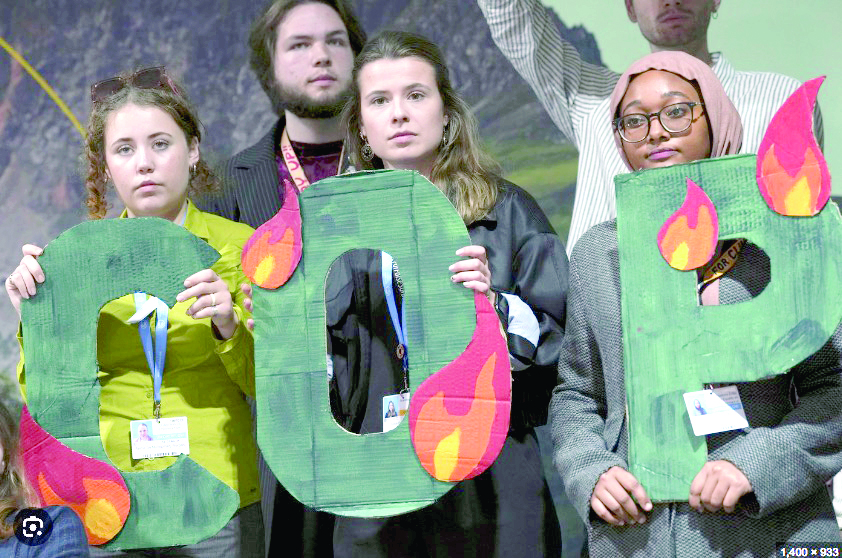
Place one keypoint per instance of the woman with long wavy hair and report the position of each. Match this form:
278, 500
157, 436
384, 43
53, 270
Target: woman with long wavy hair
405, 114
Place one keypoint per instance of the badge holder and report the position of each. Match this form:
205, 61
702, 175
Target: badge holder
157, 437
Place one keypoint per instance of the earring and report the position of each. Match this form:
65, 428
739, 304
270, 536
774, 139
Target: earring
366, 151
715, 15
193, 169
444, 135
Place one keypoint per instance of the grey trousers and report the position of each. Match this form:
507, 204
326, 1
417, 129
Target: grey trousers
242, 537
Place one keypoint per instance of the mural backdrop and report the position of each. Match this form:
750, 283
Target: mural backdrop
73, 44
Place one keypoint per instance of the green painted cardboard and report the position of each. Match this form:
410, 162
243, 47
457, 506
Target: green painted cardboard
86, 267
673, 345
317, 461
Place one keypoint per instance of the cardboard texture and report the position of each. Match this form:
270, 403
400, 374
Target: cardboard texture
271, 255
318, 462
459, 416
673, 345
86, 267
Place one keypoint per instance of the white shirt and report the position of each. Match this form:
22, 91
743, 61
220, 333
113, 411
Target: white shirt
575, 94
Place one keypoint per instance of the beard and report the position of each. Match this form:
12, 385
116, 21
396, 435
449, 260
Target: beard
303, 106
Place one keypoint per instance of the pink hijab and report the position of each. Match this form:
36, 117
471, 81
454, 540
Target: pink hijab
724, 121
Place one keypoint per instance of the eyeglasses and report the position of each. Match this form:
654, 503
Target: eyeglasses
147, 78
674, 118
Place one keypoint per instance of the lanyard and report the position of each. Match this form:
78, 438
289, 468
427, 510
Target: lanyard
143, 311
722, 264
398, 322
294, 167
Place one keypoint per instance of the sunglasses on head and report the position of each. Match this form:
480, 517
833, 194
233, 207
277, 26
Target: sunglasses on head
147, 78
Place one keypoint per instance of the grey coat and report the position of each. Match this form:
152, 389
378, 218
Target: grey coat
788, 453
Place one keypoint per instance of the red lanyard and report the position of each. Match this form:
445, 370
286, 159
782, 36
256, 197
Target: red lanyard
294, 166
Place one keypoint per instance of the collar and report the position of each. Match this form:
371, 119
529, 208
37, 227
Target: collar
194, 221
722, 68
263, 152
310, 150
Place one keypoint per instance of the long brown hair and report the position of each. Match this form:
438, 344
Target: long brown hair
171, 100
462, 169
15, 492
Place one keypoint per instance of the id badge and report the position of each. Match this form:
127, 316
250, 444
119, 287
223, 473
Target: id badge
394, 408
164, 437
715, 410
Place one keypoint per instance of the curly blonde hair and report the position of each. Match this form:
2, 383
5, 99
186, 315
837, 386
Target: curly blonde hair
15, 492
462, 170
171, 100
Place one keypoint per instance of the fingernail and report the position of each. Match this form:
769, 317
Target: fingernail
453, 278
622, 523
641, 521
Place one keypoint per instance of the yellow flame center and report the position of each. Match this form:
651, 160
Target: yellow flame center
798, 199
680, 256
102, 519
447, 455
264, 268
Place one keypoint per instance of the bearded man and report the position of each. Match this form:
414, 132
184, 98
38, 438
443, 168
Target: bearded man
302, 52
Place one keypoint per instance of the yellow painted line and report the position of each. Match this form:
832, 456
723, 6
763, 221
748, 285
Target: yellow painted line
44, 85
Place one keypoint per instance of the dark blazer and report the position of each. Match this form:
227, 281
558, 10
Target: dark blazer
251, 194
788, 453
250, 191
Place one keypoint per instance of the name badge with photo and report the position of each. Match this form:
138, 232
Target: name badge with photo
166, 437
394, 408
715, 410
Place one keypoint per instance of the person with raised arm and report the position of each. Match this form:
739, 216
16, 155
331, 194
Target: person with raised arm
575, 92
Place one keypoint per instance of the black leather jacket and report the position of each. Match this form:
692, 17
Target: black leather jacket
527, 258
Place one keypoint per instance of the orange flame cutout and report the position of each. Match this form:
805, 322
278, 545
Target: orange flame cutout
62, 477
272, 253
687, 240
102, 517
459, 416
791, 170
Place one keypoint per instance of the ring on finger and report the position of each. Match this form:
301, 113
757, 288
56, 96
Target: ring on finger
213, 301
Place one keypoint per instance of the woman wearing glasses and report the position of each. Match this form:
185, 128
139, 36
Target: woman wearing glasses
143, 139
670, 108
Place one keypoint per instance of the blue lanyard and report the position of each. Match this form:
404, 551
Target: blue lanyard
399, 322
143, 311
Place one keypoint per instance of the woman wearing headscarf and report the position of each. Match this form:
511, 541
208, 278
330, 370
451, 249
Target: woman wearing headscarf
669, 108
